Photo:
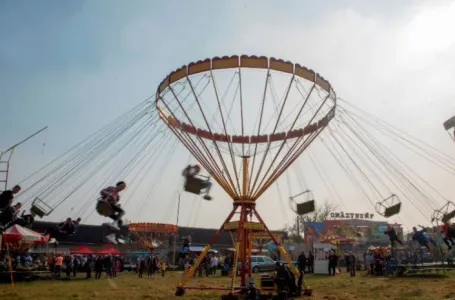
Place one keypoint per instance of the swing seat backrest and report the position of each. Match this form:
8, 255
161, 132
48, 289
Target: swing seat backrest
40, 208
194, 185
305, 208
104, 208
392, 210
447, 217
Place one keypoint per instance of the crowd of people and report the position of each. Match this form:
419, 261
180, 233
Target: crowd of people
210, 265
65, 265
152, 264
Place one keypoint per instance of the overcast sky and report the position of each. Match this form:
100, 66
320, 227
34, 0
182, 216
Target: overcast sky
76, 65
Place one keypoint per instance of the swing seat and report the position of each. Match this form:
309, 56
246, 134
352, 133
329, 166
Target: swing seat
392, 210
447, 217
195, 184
104, 208
40, 208
389, 206
305, 207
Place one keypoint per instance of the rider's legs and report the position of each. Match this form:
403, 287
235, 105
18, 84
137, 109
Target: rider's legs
118, 214
446, 241
207, 185
398, 241
426, 245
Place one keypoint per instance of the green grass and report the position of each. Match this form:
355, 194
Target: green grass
128, 286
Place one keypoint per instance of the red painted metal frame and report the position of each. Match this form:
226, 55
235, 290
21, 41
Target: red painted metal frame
245, 210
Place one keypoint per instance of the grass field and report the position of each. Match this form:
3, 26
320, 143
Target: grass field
128, 286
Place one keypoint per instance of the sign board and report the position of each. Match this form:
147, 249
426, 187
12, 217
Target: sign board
343, 215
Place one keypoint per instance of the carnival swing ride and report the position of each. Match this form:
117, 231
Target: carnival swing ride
246, 120
236, 153
154, 236
245, 157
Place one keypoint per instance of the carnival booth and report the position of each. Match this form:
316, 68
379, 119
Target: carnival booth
321, 253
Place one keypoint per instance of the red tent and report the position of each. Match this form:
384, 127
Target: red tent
110, 250
18, 233
82, 250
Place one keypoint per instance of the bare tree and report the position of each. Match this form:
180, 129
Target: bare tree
320, 214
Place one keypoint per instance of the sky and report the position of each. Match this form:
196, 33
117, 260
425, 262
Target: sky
76, 65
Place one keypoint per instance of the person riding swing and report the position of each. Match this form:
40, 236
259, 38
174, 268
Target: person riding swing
9, 215
393, 237
422, 238
192, 177
66, 228
26, 220
447, 232
110, 196
7, 197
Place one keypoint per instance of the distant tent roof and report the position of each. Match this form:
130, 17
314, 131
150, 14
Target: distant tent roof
82, 250
109, 250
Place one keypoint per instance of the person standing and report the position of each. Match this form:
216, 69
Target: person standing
311, 262
351, 263
88, 264
301, 264
214, 262
333, 262
76, 264
141, 267
98, 267
58, 265
68, 261
116, 268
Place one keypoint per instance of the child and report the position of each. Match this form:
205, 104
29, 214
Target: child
116, 268
163, 267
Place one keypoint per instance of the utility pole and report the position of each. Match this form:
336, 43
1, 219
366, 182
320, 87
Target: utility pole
297, 219
176, 234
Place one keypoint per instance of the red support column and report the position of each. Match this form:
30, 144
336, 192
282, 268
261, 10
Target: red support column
181, 287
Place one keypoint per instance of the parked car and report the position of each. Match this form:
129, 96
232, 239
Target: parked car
129, 267
261, 263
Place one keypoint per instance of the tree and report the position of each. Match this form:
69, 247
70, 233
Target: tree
320, 214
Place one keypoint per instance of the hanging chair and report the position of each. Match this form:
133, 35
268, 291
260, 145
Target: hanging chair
388, 207
40, 208
104, 208
194, 184
444, 214
306, 206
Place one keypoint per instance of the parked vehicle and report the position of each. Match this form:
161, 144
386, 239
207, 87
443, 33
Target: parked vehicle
129, 267
261, 263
